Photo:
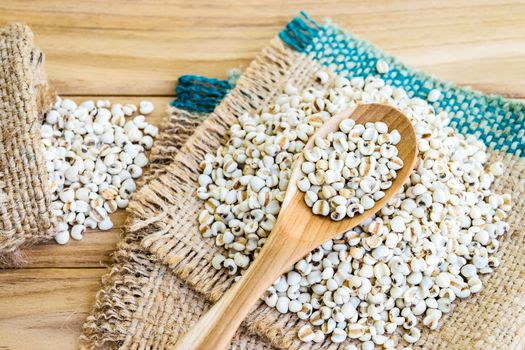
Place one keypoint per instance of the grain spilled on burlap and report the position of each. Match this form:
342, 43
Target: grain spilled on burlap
25, 202
163, 281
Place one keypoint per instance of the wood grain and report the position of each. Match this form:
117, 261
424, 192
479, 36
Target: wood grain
136, 49
45, 308
141, 47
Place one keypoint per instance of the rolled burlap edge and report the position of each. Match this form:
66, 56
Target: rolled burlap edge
26, 217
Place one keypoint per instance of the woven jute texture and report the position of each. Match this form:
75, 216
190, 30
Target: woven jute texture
25, 202
163, 281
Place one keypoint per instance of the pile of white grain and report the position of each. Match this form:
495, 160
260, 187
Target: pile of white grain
398, 270
93, 152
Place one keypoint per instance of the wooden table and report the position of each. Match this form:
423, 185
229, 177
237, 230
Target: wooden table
133, 50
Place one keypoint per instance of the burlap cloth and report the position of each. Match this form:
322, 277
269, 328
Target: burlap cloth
162, 280
25, 204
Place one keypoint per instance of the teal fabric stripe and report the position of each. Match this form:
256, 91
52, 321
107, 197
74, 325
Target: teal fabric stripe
200, 94
498, 122
299, 32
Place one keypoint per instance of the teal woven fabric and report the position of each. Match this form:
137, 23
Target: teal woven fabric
200, 94
498, 122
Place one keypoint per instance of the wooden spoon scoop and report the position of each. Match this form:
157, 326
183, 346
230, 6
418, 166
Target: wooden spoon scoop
296, 232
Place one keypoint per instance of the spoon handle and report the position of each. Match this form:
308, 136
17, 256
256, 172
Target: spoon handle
218, 326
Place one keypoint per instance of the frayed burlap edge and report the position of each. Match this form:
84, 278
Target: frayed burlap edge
176, 128
128, 279
135, 308
25, 203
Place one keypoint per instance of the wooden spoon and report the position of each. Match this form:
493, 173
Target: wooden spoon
296, 232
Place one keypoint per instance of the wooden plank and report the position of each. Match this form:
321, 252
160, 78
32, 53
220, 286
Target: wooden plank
45, 308
94, 250
140, 47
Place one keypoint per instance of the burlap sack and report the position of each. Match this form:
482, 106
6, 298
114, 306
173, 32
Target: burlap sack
149, 298
25, 204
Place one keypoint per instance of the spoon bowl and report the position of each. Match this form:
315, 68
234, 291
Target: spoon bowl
298, 214
297, 232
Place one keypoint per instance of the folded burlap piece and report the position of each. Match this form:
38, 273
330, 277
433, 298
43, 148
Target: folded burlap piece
25, 202
162, 281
